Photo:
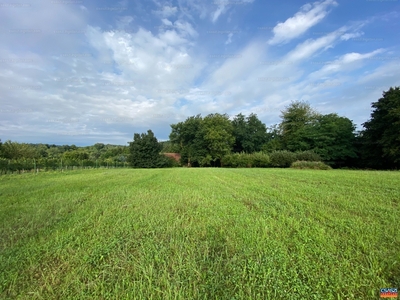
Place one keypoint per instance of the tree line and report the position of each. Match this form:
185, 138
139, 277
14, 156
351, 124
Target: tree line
212, 141
217, 140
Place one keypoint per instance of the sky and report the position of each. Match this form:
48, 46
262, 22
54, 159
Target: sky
84, 72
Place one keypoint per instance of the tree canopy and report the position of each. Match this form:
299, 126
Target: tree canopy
381, 136
250, 133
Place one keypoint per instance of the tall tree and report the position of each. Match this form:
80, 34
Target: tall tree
381, 136
295, 118
218, 135
332, 137
144, 151
189, 137
250, 133
274, 139
14, 150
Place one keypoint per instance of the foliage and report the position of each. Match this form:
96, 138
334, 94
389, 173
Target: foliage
381, 136
246, 160
282, 159
167, 162
203, 142
217, 132
76, 155
188, 136
308, 156
295, 118
260, 160
315, 165
237, 160
333, 138
145, 152
169, 147
14, 150
250, 133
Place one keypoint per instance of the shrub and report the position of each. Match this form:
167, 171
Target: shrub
282, 159
308, 156
236, 160
166, 162
244, 160
315, 165
260, 160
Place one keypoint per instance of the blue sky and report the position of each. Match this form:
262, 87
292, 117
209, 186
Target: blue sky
81, 72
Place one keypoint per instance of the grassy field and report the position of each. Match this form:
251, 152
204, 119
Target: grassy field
199, 234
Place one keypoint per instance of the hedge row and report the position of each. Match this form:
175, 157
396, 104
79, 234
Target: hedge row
244, 160
314, 165
277, 159
13, 165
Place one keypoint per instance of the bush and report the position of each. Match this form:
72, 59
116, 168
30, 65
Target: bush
308, 156
237, 160
282, 159
244, 160
314, 165
260, 160
166, 162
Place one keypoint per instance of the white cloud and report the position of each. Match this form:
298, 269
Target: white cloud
229, 40
224, 5
310, 46
346, 62
218, 12
348, 36
167, 22
308, 16
168, 11
185, 28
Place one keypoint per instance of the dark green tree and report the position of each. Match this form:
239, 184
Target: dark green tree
274, 139
250, 133
381, 134
295, 118
189, 138
217, 131
145, 151
14, 150
75, 155
332, 137
169, 147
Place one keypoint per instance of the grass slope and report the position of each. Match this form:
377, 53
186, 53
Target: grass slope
199, 234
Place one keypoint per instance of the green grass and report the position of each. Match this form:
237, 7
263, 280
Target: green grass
199, 234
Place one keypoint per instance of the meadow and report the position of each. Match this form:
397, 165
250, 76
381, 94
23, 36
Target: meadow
199, 233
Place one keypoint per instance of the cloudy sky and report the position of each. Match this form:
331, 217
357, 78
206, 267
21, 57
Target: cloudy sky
82, 71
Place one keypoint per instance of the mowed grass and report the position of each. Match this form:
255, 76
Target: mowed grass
199, 234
